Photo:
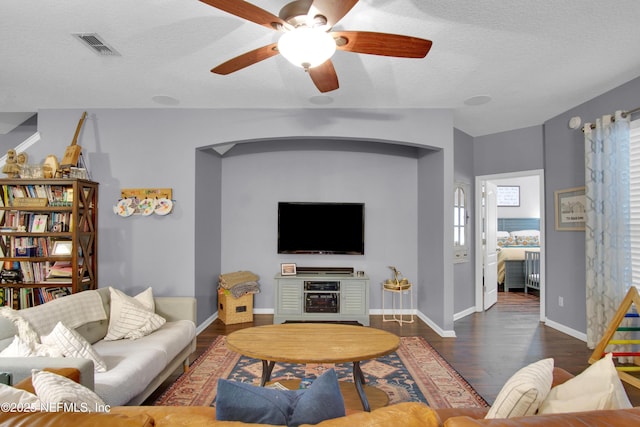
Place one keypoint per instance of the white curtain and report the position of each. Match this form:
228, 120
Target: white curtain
608, 246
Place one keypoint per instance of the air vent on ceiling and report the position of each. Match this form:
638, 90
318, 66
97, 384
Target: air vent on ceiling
96, 44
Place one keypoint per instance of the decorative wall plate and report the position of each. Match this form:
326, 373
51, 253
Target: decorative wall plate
163, 206
146, 206
123, 208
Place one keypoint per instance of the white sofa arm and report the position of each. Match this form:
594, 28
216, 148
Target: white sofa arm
20, 367
176, 308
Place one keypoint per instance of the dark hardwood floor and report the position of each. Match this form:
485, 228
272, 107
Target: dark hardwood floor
489, 347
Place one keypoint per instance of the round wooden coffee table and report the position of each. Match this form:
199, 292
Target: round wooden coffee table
314, 343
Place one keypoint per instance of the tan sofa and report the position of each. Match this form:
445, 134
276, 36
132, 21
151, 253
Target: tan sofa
402, 414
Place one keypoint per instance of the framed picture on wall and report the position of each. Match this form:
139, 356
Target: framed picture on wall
508, 195
570, 206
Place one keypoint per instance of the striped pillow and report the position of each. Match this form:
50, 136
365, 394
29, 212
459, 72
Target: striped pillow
72, 344
129, 318
60, 393
524, 391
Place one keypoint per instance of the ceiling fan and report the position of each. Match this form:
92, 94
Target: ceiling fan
308, 41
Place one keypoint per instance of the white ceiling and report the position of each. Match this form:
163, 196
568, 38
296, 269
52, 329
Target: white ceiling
535, 59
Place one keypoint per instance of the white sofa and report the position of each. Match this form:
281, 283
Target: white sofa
135, 368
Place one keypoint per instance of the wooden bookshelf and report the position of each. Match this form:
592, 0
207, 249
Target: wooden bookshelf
48, 239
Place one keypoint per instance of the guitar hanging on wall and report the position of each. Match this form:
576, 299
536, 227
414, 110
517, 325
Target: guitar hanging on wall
72, 153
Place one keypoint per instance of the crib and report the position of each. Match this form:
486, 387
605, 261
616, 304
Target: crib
531, 270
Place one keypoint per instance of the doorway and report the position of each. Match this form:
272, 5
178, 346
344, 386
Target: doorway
486, 216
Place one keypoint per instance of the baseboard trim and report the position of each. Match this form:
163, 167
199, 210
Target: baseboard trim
464, 313
201, 327
565, 330
437, 329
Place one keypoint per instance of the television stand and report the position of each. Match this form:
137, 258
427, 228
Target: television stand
316, 295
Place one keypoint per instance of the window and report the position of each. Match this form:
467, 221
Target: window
634, 194
460, 220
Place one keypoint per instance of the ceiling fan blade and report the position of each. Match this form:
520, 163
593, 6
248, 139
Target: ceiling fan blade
246, 59
381, 44
333, 10
248, 11
324, 76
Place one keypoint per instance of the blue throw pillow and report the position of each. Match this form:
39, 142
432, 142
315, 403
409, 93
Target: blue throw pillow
321, 401
238, 401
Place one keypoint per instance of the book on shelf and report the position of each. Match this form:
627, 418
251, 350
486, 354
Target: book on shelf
39, 224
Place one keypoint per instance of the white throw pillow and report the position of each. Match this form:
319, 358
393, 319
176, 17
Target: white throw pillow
582, 402
146, 298
10, 395
597, 380
17, 348
130, 318
524, 391
72, 344
63, 394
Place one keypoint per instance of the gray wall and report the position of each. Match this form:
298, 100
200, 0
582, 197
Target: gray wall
156, 148
20, 134
558, 150
464, 291
512, 151
257, 176
564, 168
207, 230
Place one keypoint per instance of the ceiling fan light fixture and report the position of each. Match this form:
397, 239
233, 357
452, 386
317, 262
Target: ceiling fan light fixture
306, 47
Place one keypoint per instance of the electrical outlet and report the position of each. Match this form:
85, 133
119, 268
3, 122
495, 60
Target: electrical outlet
561, 301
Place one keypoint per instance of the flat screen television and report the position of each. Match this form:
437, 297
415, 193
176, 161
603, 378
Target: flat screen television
320, 228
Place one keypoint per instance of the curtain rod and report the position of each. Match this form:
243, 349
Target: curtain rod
624, 114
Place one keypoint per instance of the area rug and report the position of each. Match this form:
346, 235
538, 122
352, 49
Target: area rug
414, 373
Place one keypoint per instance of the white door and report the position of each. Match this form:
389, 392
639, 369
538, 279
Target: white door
490, 253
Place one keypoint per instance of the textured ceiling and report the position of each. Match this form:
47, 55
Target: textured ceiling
535, 59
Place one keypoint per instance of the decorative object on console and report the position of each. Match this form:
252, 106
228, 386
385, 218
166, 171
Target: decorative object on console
288, 269
398, 282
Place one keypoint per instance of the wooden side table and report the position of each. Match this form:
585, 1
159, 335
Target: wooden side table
397, 292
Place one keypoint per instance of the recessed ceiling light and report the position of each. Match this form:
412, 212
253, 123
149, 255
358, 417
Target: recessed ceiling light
165, 100
477, 100
321, 100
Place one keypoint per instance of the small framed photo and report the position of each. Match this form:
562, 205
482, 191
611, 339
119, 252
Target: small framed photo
570, 207
62, 247
288, 269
